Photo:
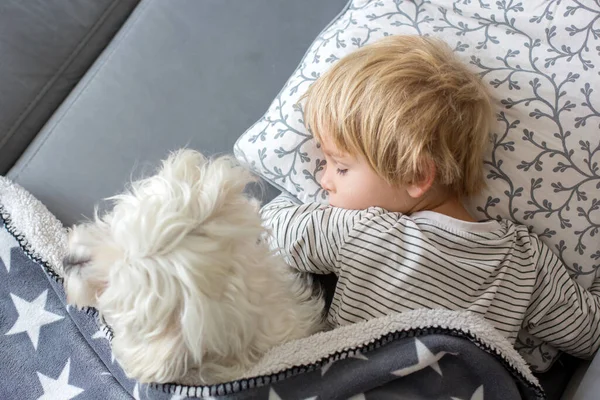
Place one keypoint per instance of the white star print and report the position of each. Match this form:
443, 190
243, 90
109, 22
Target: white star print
32, 316
55, 389
101, 335
358, 356
360, 396
273, 395
326, 367
112, 357
425, 359
477, 395
136, 391
7, 243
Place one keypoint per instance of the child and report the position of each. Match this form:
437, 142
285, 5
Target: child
404, 125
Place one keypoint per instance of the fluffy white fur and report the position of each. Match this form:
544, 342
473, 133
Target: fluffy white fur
180, 271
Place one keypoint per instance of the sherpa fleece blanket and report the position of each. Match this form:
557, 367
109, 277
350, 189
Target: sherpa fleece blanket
49, 350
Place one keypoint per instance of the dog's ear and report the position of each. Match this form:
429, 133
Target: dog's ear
145, 304
180, 233
172, 318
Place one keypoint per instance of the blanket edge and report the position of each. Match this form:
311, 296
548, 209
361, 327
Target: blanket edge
36, 229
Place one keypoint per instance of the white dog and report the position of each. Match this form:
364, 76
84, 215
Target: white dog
181, 272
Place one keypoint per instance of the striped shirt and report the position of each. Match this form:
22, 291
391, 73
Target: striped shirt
389, 262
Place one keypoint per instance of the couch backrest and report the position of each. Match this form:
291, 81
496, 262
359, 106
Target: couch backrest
46, 46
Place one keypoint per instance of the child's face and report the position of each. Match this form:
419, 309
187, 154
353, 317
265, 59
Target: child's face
353, 185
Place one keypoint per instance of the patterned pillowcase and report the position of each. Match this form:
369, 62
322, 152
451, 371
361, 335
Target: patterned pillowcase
539, 60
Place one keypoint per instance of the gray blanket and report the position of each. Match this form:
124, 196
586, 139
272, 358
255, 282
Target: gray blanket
52, 351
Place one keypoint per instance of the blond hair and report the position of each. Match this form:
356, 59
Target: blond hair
402, 103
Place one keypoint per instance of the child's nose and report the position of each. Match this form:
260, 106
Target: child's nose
326, 182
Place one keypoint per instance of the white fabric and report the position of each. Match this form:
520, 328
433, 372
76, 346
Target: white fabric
313, 349
540, 62
46, 237
43, 232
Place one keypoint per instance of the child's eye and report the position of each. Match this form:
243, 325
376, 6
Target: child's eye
342, 171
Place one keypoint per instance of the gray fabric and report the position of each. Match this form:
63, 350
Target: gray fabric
180, 73
46, 46
400, 369
71, 356
586, 385
60, 350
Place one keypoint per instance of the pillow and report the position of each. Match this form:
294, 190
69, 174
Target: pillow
539, 59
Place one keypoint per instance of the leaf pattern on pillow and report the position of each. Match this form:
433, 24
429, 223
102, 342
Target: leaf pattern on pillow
540, 60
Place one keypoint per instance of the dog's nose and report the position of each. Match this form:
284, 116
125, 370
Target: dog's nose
72, 260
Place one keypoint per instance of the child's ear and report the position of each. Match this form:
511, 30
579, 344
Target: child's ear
418, 189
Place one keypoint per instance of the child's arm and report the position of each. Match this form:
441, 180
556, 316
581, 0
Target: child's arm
561, 312
310, 235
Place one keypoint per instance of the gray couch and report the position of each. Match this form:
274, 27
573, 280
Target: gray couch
94, 92
178, 73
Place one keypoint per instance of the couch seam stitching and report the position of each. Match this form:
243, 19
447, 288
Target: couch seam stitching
68, 62
82, 91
